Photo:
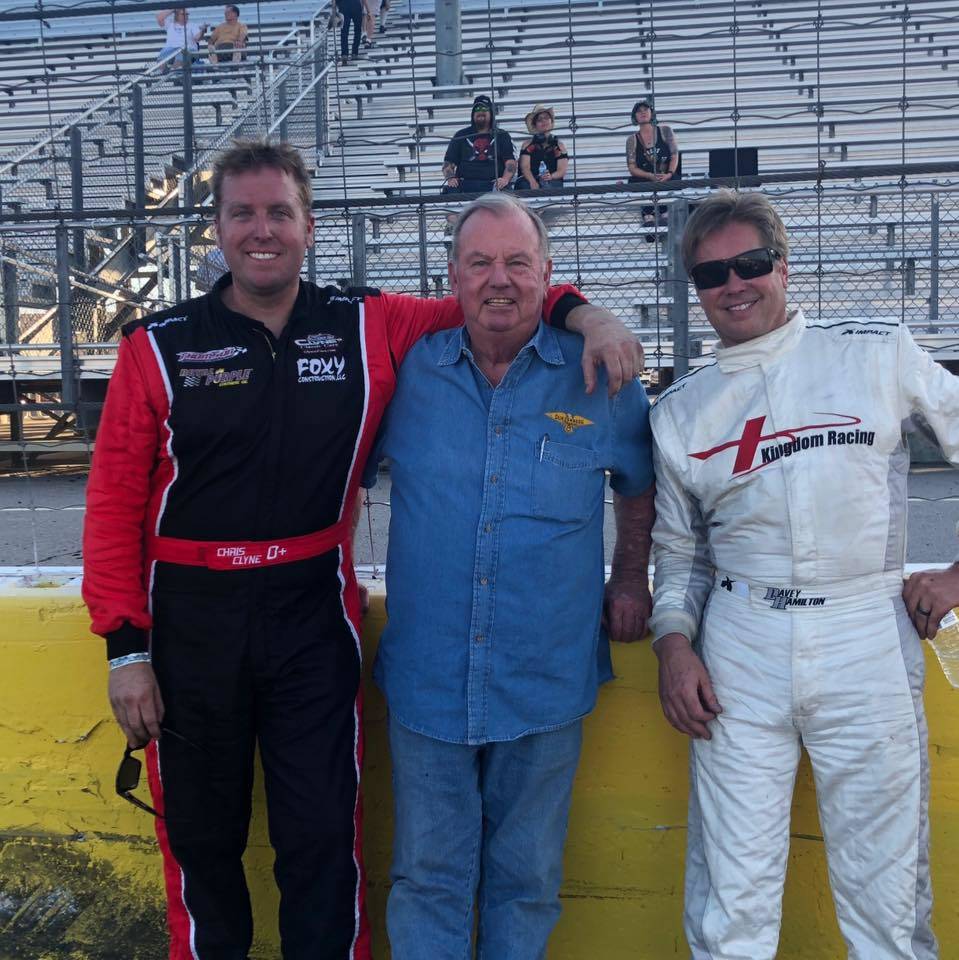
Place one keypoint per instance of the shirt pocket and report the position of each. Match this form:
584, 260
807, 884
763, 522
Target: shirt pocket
567, 481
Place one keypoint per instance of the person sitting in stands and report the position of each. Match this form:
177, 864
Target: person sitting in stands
479, 157
228, 36
179, 36
651, 153
542, 158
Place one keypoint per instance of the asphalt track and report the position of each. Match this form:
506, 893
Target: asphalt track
41, 517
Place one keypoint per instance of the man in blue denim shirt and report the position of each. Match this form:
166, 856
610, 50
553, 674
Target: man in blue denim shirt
494, 648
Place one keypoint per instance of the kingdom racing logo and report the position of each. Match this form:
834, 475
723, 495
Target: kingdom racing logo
748, 444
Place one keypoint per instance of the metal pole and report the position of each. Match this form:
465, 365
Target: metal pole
161, 279
139, 169
76, 191
177, 270
11, 313
449, 46
677, 286
358, 222
319, 104
311, 259
934, 268
283, 100
68, 384
424, 269
188, 131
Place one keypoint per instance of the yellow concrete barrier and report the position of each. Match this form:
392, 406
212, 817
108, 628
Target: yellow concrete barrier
80, 875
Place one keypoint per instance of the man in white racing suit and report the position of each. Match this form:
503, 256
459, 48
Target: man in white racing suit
778, 611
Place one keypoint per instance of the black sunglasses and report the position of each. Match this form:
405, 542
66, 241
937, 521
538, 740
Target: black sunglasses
128, 773
748, 266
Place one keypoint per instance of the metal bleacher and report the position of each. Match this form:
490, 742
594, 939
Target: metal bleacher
817, 86
814, 86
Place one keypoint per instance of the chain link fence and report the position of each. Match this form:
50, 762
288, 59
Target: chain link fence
880, 252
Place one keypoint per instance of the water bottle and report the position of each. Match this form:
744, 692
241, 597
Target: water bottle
946, 645
539, 173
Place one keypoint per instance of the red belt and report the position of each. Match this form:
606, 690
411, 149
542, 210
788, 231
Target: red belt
246, 554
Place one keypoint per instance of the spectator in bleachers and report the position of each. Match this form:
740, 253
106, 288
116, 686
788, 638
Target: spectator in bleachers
180, 36
652, 154
542, 158
480, 157
231, 35
352, 11
370, 9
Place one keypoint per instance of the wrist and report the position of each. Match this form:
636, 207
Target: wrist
670, 642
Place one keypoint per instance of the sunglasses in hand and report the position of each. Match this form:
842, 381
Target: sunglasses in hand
128, 773
748, 266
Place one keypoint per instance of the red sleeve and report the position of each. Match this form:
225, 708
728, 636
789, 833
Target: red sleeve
408, 318
118, 493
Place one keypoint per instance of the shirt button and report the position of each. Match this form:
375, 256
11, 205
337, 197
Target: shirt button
493, 478
480, 638
488, 528
498, 431
483, 581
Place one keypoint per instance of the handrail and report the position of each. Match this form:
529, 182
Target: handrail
155, 70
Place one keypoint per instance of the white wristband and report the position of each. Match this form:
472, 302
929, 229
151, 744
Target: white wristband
118, 662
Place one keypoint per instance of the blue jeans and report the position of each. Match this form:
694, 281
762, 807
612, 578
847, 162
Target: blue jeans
485, 823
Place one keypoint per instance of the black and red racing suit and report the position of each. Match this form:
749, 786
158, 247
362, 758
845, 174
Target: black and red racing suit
222, 452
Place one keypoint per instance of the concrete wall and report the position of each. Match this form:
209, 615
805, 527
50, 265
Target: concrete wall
80, 875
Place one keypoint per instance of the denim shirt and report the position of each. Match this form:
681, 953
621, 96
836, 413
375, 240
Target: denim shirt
495, 568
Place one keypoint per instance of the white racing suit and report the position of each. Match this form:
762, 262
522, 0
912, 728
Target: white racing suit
781, 504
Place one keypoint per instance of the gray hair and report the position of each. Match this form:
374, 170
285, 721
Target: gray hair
727, 206
499, 204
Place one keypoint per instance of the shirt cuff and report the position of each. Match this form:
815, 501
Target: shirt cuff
672, 621
125, 640
561, 309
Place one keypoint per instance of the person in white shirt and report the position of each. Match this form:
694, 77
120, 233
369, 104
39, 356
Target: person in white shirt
180, 35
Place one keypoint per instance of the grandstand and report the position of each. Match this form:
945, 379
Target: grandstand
835, 95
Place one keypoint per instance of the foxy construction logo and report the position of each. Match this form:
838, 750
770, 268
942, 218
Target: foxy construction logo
797, 440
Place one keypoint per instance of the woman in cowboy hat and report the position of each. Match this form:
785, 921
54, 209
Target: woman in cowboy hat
542, 158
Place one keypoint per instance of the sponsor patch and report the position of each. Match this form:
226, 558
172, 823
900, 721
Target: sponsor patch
779, 598
797, 440
210, 356
321, 369
215, 377
162, 323
569, 421
319, 343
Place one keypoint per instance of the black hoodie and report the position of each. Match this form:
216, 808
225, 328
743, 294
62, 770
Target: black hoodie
475, 154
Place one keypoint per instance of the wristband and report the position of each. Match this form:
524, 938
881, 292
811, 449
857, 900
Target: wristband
117, 662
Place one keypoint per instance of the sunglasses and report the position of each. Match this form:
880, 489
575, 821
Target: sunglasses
748, 266
128, 773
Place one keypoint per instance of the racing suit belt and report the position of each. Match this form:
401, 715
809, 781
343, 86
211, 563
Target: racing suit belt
245, 554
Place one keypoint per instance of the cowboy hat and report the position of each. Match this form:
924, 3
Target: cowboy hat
535, 112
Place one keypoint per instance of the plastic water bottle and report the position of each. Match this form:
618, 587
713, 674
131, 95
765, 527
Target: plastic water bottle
946, 645
542, 170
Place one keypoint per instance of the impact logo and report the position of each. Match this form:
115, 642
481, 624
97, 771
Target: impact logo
569, 421
216, 377
321, 370
859, 332
162, 323
210, 356
748, 445
339, 298
319, 343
